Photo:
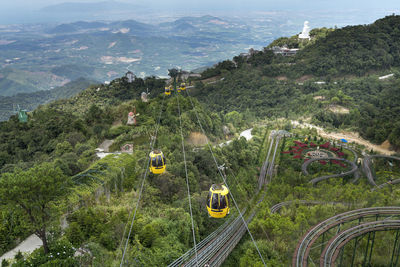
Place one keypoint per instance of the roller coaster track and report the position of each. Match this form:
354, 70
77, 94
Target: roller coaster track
332, 250
304, 246
211, 241
319, 179
265, 167
397, 181
352, 151
366, 165
215, 248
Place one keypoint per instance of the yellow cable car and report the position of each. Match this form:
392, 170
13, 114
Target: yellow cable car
157, 162
183, 86
178, 89
218, 201
167, 90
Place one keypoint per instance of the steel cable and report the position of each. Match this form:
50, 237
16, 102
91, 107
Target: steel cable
223, 178
187, 179
152, 142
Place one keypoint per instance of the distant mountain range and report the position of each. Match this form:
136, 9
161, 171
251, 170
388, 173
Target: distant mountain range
40, 56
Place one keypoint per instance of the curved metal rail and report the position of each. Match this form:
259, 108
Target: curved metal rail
319, 179
397, 181
332, 250
366, 166
352, 151
303, 248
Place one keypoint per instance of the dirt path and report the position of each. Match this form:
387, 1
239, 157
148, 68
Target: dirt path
28, 245
104, 147
349, 136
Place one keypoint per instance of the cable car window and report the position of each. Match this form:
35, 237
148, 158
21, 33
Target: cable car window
208, 199
165, 161
214, 201
157, 162
222, 202
154, 162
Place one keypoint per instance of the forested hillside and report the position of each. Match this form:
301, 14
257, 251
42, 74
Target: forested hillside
63, 135
29, 101
354, 50
340, 69
54, 185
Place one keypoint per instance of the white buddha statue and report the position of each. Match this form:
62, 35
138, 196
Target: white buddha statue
305, 34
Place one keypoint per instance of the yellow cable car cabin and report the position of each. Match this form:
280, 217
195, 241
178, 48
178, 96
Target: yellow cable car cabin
218, 201
167, 90
183, 86
157, 162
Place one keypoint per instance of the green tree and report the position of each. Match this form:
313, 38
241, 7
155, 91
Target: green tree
62, 148
35, 192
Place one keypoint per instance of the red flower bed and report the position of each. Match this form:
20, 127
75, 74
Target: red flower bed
312, 144
335, 149
300, 144
297, 157
334, 161
323, 162
340, 154
326, 145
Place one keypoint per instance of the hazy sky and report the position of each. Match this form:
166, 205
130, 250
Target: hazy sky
210, 4
27, 11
